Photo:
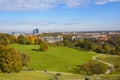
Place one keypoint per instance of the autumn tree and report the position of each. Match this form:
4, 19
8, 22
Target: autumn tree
10, 60
38, 41
30, 40
43, 46
4, 40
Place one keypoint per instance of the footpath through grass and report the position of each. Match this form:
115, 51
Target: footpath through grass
29, 75
55, 59
112, 59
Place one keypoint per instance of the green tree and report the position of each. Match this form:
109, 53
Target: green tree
99, 49
38, 41
91, 67
4, 40
90, 46
106, 48
25, 59
43, 46
10, 60
86, 45
66, 43
22, 39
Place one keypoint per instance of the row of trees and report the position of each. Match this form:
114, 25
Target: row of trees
32, 40
10, 59
106, 47
111, 46
26, 40
6, 39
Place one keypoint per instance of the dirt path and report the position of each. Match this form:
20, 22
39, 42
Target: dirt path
111, 67
55, 72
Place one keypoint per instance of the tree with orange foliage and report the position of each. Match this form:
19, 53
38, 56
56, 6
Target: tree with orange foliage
10, 60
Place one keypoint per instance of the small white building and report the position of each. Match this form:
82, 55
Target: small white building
77, 37
52, 39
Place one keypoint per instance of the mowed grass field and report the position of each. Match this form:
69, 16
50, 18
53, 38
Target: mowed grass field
57, 58
24, 76
29, 75
36, 76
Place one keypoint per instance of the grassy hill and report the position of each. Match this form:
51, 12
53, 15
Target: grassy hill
55, 59
113, 59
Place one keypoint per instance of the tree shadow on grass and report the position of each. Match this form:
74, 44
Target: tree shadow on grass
35, 49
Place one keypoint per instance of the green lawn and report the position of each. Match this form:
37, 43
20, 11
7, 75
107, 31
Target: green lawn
29, 75
113, 59
55, 59
24, 76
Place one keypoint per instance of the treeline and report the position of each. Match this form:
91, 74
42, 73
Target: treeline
111, 46
10, 59
6, 39
33, 40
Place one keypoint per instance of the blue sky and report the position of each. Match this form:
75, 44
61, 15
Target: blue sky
59, 15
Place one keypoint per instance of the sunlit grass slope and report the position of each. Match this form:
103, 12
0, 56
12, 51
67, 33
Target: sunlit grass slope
55, 59
113, 59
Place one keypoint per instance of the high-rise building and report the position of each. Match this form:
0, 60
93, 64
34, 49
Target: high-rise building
35, 31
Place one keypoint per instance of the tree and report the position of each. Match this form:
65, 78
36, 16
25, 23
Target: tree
38, 41
85, 45
30, 40
106, 47
21, 39
66, 43
4, 40
91, 67
43, 46
99, 49
10, 60
25, 59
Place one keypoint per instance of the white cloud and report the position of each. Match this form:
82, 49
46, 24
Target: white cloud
21, 5
26, 4
100, 2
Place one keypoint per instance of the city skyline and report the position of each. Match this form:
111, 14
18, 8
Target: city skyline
59, 15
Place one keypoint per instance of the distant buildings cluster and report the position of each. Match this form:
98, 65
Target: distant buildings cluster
100, 35
51, 39
91, 36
